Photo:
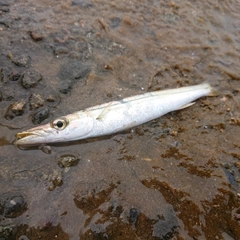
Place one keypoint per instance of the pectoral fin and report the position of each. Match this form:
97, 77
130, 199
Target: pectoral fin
104, 112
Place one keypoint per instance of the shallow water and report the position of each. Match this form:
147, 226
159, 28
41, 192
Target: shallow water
176, 177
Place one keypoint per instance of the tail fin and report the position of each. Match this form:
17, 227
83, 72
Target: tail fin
213, 88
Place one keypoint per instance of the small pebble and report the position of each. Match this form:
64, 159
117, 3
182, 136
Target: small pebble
55, 180
46, 149
83, 72
133, 215
68, 161
65, 87
35, 101
8, 94
36, 36
60, 50
16, 109
21, 60
23, 237
14, 76
14, 207
51, 98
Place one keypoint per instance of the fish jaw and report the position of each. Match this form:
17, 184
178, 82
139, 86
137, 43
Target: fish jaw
34, 136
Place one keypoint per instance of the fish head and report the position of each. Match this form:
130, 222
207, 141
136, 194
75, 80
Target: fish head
68, 128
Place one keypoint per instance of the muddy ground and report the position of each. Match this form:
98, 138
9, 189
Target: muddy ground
176, 177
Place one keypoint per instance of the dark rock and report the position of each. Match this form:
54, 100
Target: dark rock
35, 101
70, 73
82, 3
8, 94
68, 161
36, 36
16, 109
82, 73
4, 23
73, 70
13, 76
4, 3
4, 9
115, 22
7, 232
60, 50
3, 75
1, 208
40, 116
14, 207
66, 87
133, 215
51, 98
1, 96
231, 172
30, 79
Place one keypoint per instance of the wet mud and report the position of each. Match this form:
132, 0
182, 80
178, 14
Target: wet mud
176, 177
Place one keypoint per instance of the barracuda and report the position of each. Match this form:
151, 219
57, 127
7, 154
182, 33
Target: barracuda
114, 116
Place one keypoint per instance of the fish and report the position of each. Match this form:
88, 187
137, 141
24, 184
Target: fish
116, 116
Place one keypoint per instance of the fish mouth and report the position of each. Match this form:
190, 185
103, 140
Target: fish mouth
24, 135
28, 137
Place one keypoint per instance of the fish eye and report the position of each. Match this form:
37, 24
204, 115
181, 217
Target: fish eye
59, 123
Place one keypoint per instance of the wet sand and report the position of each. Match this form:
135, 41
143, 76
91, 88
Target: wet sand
176, 177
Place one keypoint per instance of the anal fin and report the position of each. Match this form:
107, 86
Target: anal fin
186, 105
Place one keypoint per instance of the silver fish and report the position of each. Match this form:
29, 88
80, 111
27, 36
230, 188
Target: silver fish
114, 116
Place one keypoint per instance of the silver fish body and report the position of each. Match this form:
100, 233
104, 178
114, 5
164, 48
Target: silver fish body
114, 116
